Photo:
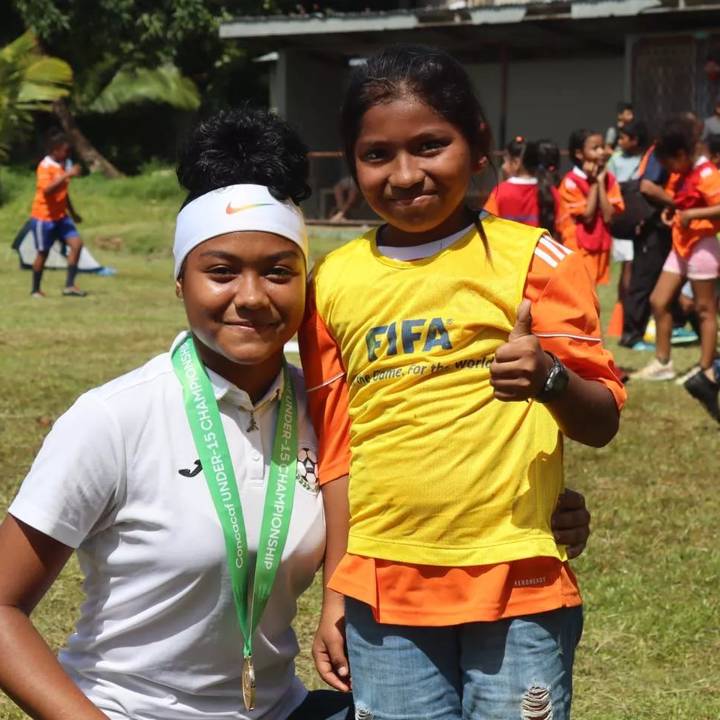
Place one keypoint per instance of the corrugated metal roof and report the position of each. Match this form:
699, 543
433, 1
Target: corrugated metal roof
450, 13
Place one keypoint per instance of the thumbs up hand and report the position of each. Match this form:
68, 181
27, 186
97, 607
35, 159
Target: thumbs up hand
521, 366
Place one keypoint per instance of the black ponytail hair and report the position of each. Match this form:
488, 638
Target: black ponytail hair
244, 145
548, 162
432, 76
516, 147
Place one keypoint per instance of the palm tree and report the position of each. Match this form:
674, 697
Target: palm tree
29, 82
129, 86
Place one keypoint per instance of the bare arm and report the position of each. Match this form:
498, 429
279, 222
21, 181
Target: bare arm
592, 204
606, 207
655, 193
74, 171
586, 412
701, 213
329, 645
74, 214
29, 672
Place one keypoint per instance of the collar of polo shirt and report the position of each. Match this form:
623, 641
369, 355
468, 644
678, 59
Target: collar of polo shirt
223, 389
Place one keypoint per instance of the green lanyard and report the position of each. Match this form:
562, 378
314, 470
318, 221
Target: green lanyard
207, 430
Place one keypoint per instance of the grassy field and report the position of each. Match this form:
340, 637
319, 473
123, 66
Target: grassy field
650, 576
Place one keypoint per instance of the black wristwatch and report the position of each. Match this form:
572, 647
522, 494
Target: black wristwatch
556, 382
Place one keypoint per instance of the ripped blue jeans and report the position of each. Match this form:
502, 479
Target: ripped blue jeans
514, 669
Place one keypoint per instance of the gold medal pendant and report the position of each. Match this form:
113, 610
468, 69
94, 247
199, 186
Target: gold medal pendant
248, 683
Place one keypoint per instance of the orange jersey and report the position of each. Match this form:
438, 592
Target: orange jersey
592, 236
696, 189
591, 239
566, 321
51, 206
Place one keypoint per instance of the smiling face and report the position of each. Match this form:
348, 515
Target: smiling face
593, 150
244, 295
414, 169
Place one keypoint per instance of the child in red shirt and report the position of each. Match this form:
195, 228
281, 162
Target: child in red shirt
528, 195
589, 197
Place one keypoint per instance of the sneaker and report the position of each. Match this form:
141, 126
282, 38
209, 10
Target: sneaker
73, 292
38, 294
683, 336
706, 391
682, 379
642, 345
655, 370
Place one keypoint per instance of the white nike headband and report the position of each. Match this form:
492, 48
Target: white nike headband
232, 209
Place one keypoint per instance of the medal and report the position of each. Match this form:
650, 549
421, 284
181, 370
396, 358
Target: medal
205, 423
248, 683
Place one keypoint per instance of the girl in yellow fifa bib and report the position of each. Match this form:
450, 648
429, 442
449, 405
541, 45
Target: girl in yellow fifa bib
446, 356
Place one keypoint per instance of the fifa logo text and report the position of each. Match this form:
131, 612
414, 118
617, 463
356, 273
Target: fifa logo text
407, 336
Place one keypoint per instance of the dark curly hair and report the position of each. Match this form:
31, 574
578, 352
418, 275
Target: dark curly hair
431, 75
677, 134
244, 145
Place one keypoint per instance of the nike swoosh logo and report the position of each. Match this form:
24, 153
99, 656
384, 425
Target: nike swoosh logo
192, 472
230, 209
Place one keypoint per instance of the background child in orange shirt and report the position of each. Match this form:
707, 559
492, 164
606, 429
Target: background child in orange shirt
589, 197
695, 255
52, 214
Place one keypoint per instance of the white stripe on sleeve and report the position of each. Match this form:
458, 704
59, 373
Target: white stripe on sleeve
547, 258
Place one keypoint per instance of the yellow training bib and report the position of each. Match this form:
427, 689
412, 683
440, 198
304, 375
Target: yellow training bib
441, 472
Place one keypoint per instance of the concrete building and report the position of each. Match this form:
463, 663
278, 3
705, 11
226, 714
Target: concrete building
541, 67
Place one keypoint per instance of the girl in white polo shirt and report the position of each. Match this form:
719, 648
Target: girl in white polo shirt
187, 486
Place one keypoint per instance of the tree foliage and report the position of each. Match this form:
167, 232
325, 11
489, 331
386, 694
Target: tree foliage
112, 42
159, 85
29, 82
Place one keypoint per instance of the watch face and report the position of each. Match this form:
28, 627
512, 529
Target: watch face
556, 383
561, 379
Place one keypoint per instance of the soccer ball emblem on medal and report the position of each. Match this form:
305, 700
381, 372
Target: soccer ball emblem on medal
307, 469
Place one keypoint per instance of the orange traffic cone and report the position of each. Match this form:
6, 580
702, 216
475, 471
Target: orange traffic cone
615, 326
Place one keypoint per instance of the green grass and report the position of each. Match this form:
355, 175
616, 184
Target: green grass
650, 576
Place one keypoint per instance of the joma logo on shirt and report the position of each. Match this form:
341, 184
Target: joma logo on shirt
407, 336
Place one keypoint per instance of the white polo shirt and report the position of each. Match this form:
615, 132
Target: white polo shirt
118, 479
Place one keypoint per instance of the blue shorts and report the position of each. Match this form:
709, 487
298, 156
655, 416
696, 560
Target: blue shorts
46, 232
513, 668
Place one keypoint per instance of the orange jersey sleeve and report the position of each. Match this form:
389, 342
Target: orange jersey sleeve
572, 198
565, 315
709, 185
491, 205
326, 392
